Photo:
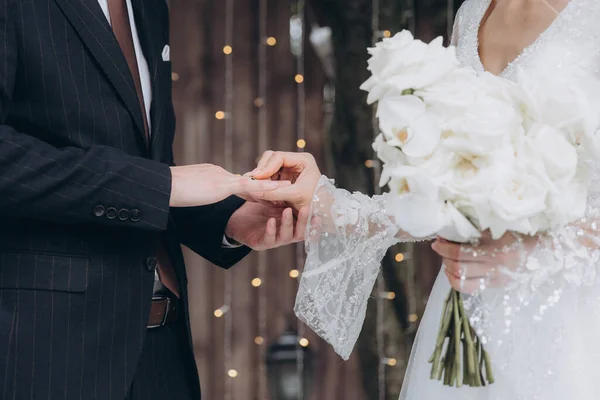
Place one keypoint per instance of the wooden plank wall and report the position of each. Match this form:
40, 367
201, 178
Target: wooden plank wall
197, 40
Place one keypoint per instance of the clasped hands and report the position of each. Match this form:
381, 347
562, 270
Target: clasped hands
278, 194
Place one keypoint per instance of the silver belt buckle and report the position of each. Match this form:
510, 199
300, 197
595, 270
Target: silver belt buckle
168, 308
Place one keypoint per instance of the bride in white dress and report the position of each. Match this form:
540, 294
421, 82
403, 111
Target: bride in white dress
543, 331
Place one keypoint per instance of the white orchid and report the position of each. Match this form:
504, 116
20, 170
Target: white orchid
406, 124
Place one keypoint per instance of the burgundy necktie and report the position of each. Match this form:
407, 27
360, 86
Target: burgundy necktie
119, 16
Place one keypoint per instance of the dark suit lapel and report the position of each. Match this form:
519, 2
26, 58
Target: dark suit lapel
149, 39
91, 24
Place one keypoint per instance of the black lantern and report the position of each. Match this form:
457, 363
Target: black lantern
289, 368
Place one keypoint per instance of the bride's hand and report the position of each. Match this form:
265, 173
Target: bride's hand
492, 263
299, 168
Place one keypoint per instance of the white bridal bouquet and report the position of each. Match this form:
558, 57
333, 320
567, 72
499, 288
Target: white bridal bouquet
467, 152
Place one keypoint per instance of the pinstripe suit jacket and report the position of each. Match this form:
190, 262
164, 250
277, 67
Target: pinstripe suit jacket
82, 199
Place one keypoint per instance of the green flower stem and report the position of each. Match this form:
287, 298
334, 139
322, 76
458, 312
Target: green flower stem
477, 376
441, 370
489, 374
466, 376
443, 333
448, 365
481, 377
469, 346
457, 337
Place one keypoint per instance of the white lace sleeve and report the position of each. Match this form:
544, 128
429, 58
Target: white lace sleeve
347, 238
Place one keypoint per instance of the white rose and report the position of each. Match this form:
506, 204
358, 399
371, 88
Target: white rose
472, 178
406, 124
463, 89
488, 124
513, 201
558, 157
403, 63
451, 96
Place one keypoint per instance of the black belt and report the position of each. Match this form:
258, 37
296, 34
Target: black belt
163, 311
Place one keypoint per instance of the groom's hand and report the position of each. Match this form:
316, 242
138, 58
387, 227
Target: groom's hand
263, 227
299, 168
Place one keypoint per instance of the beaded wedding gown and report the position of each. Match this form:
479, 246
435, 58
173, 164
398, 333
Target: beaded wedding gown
542, 331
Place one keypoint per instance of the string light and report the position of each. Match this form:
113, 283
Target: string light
380, 283
220, 115
256, 282
174, 76
407, 272
232, 373
228, 164
369, 163
299, 17
387, 33
391, 362
399, 257
260, 102
219, 312
303, 342
388, 295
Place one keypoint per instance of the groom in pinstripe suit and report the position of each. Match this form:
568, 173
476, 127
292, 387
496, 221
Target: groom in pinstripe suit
93, 297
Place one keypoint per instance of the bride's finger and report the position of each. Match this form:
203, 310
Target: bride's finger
269, 165
270, 233
293, 161
469, 270
264, 159
286, 230
301, 223
286, 193
458, 252
242, 185
467, 286
447, 249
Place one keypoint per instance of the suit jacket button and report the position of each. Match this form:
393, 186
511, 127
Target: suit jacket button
151, 263
123, 214
111, 213
135, 215
99, 210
